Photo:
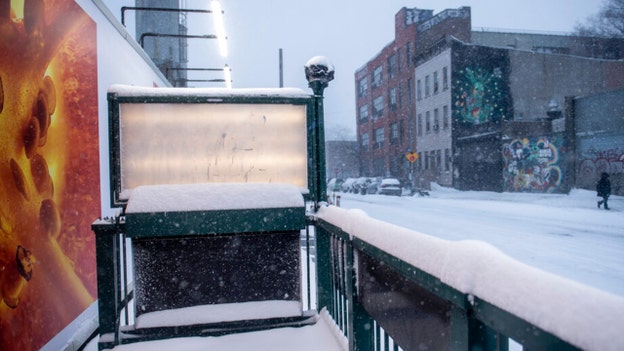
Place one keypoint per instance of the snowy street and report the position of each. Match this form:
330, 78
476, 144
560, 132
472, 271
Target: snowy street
563, 234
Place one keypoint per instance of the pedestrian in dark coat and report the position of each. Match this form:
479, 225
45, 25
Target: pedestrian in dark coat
603, 188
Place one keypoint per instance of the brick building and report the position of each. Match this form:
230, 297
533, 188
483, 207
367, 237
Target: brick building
462, 98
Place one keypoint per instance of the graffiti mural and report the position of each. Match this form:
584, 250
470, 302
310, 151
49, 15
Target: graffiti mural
533, 165
480, 94
593, 162
49, 169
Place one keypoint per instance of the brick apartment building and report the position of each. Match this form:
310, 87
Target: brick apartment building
458, 97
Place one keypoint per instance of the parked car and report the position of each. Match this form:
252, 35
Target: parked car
373, 187
360, 186
347, 185
390, 186
334, 185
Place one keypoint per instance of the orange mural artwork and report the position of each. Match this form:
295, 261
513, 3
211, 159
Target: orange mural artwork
49, 169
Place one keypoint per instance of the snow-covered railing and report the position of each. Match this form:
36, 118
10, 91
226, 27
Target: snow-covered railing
387, 286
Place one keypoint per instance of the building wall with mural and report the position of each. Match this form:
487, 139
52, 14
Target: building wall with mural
481, 101
495, 91
534, 164
52, 108
599, 128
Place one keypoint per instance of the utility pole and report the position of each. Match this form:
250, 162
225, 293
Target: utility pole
281, 69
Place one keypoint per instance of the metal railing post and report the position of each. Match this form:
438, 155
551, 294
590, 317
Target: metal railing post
360, 324
107, 245
319, 72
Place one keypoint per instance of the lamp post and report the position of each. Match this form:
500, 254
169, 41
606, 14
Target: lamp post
319, 72
181, 58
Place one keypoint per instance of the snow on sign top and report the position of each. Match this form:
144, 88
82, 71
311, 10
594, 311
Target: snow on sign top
213, 196
136, 91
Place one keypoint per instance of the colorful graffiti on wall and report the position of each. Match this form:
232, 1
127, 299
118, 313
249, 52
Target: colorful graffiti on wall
593, 162
49, 169
479, 96
532, 165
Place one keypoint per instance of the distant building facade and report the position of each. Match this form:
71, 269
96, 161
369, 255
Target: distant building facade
485, 115
341, 159
152, 31
598, 122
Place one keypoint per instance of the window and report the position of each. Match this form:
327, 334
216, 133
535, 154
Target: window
418, 90
393, 97
378, 106
363, 86
394, 133
392, 66
447, 160
364, 113
438, 160
409, 90
445, 116
365, 141
420, 161
408, 54
436, 85
379, 138
436, 119
427, 86
427, 160
445, 78
428, 122
419, 127
377, 77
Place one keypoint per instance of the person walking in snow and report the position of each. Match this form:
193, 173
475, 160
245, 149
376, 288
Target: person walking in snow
603, 188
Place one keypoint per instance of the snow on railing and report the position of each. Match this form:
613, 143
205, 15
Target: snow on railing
581, 316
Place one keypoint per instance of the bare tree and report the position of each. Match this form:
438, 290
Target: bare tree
608, 22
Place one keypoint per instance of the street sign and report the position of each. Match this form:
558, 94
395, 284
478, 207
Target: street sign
411, 156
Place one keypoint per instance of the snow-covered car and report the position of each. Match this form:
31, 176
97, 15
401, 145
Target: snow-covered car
360, 186
390, 186
334, 185
373, 187
347, 185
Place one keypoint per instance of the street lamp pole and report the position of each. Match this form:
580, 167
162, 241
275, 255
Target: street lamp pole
319, 72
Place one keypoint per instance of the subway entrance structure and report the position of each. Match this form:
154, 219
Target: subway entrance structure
213, 187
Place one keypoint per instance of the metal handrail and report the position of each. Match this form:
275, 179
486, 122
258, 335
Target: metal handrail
470, 321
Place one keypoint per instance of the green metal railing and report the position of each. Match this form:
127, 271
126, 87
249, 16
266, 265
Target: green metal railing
380, 302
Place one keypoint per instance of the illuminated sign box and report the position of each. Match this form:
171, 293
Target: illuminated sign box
221, 171
203, 135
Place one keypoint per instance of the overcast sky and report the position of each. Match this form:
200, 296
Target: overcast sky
347, 32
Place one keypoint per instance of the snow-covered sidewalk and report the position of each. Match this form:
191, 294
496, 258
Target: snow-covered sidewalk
320, 336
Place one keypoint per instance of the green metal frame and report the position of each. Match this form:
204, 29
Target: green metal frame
314, 126
208, 222
111, 234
